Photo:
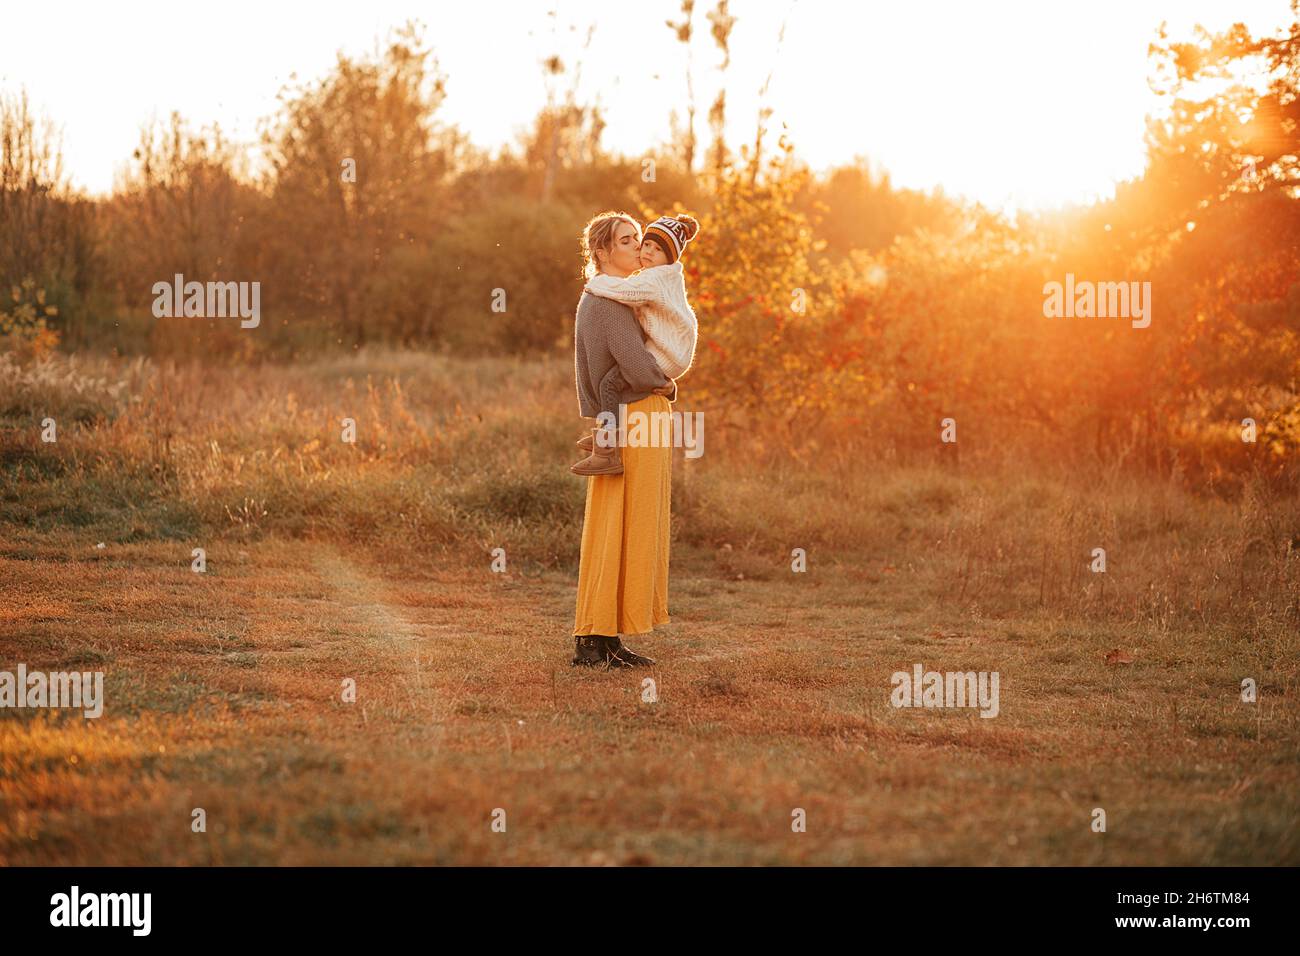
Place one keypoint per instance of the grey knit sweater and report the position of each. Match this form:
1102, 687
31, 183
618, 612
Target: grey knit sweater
606, 333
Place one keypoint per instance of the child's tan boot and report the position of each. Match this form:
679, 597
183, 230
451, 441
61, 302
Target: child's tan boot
602, 460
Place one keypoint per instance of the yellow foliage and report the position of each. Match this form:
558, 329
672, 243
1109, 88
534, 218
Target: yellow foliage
23, 330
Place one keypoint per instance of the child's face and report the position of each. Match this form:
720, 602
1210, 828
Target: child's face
652, 254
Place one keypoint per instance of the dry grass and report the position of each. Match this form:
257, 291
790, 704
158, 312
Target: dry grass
329, 561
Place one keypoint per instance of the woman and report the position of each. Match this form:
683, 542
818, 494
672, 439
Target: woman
623, 572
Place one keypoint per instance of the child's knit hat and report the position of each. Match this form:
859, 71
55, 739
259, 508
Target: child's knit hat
672, 233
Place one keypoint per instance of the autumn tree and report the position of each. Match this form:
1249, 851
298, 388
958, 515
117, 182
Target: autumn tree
357, 170
47, 251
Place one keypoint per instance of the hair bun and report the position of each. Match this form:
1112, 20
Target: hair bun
692, 225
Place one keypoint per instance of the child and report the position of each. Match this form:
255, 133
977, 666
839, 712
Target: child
657, 294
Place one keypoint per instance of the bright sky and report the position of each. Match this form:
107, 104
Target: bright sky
1012, 103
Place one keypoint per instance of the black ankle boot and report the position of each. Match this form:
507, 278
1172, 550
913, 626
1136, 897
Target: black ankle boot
618, 654
588, 650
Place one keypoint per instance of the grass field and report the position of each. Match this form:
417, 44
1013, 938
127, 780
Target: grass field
329, 561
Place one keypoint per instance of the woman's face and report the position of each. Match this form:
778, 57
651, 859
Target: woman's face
621, 259
652, 254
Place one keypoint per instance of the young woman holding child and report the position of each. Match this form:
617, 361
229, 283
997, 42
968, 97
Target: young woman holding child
630, 330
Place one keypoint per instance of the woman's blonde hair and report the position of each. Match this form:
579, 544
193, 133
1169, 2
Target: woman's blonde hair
598, 234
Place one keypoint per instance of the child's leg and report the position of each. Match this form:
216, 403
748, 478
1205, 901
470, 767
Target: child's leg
612, 387
605, 456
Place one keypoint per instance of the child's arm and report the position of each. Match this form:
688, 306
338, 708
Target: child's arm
645, 286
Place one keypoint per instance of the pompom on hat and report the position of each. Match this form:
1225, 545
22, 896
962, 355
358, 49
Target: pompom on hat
673, 233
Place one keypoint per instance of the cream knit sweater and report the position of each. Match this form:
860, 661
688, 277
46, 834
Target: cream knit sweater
658, 297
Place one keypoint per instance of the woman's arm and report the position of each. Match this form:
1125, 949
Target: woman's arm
623, 336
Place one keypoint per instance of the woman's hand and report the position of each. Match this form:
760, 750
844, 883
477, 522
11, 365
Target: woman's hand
666, 390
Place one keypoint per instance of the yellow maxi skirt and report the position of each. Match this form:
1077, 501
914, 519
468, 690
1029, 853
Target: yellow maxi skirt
623, 572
